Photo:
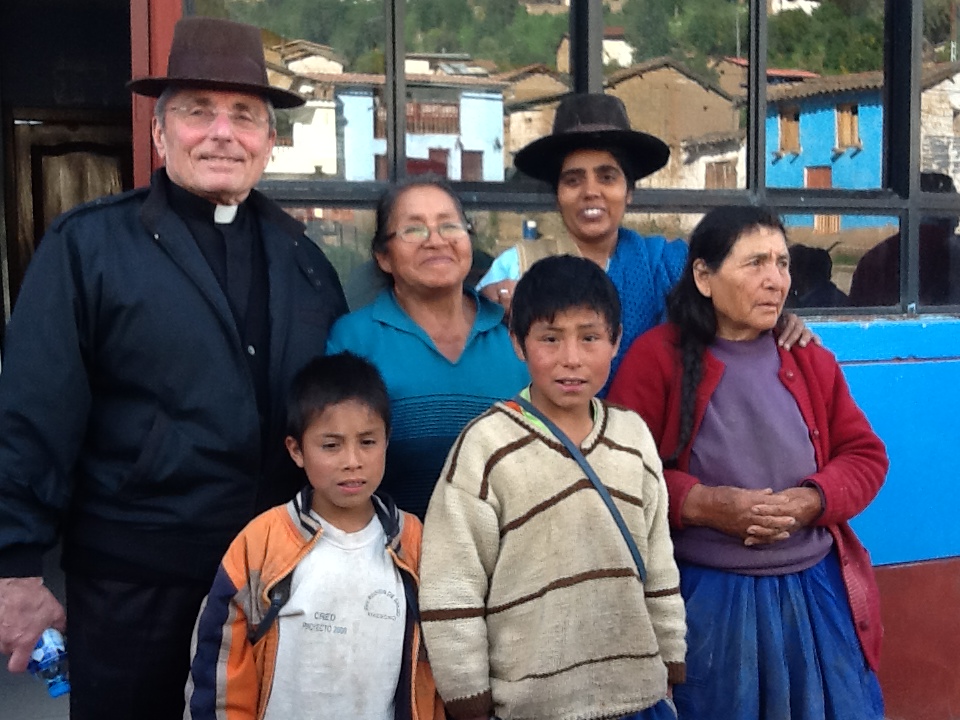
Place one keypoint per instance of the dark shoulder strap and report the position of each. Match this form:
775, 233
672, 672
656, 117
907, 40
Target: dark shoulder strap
592, 476
279, 595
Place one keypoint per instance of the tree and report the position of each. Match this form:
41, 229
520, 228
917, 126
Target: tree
351, 28
936, 20
497, 14
709, 28
827, 41
372, 62
434, 25
646, 26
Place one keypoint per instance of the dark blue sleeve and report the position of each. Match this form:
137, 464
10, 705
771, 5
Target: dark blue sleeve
45, 400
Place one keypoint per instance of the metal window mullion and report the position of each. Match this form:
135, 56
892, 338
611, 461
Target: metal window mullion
395, 88
586, 45
5, 122
903, 29
757, 102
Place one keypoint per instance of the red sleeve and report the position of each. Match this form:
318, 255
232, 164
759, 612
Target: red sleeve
645, 384
854, 463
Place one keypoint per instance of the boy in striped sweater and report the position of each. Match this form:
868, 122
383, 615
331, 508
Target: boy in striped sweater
532, 605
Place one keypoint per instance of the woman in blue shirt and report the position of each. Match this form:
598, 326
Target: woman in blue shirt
593, 159
443, 350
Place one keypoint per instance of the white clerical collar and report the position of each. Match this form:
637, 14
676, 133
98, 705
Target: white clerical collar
225, 214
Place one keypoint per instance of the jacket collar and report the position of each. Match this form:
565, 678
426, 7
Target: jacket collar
158, 203
386, 511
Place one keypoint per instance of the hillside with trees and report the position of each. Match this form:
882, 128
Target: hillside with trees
841, 36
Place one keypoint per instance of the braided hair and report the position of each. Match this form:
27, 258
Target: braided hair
711, 242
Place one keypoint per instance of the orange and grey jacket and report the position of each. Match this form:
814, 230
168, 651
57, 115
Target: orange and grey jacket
236, 638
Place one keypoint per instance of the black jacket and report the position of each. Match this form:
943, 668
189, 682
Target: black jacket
128, 421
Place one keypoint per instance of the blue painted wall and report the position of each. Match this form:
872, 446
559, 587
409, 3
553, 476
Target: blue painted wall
851, 170
905, 375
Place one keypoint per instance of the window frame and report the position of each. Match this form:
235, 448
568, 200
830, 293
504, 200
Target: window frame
848, 126
788, 125
899, 196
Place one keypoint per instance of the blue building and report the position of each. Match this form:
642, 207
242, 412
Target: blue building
828, 133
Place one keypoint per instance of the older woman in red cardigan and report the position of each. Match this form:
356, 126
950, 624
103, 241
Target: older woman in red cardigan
767, 458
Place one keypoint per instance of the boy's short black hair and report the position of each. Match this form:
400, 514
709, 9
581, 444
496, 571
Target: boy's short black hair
559, 283
330, 380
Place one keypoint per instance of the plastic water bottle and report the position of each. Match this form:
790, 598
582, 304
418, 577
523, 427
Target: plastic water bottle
49, 662
529, 229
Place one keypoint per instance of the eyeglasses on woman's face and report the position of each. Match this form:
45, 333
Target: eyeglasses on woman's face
418, 233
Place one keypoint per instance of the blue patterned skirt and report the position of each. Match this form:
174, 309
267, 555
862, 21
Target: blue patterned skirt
779, 647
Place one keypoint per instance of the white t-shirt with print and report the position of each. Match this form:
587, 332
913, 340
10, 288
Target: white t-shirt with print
341, 632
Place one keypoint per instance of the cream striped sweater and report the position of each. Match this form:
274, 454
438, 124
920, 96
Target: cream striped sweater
531, 603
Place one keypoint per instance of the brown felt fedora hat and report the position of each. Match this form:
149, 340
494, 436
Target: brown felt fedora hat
592, 121
216, 54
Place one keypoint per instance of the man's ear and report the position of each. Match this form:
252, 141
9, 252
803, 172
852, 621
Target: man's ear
271, 140
293, 447
701, 277
156, 132
517, 347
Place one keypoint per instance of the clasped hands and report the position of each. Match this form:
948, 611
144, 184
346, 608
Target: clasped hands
758, 517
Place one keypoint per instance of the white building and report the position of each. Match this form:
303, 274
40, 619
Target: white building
778, 6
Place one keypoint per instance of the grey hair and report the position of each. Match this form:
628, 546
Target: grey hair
160, 108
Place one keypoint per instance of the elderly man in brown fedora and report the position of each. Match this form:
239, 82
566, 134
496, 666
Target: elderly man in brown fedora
142, 399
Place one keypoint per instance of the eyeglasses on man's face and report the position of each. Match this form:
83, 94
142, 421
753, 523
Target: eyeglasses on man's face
201, 117
418, 233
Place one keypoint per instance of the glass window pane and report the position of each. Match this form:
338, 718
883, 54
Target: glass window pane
345, 234
939, 260
843, 260
824, 113
476, 74
685, 83
331, 53
939, 100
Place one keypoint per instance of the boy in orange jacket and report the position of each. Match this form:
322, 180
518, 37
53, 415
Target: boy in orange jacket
313, 612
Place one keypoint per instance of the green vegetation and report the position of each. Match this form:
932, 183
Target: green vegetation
841, 36
499, 30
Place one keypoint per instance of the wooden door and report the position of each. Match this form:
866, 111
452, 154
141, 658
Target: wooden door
59, 163
439, 159
471, 165
821, 178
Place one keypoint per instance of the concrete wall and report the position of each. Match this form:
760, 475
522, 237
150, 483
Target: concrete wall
314, 148
525, 126
693, 171
360, 146
481, 129
672, 106
939, 149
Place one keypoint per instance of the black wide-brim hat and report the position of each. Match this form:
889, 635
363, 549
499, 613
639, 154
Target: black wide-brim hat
216, 54
592, 121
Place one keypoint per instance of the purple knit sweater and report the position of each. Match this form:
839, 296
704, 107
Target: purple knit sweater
752, 436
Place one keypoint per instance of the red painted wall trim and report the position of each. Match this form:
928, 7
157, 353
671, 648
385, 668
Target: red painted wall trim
151, 32
920, 665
